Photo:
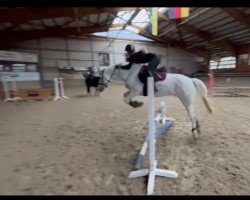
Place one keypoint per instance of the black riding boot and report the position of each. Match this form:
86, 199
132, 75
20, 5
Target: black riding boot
152, 75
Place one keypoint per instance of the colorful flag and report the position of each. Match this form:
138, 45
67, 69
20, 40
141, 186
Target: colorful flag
178, 13
154, 20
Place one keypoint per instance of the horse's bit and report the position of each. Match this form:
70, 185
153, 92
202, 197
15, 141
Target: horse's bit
102, 78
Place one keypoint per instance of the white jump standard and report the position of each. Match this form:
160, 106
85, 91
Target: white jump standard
152, 171
7, 93
59, 89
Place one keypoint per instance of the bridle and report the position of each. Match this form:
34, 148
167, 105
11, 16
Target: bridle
103, 77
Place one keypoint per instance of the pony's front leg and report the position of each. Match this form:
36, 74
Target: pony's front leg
125, 94
97, 93
129, 95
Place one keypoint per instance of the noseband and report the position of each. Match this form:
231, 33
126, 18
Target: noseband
103, 77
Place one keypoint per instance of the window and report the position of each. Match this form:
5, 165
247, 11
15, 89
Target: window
225, 63
243, 59
103, 59
7, 68
31, 68
19, 67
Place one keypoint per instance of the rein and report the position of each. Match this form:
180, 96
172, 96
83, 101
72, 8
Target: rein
102, 79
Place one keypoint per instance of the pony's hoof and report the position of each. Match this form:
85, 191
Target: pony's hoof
135, 104
139, 104
198, 131
88, 95
194, 137
125, 94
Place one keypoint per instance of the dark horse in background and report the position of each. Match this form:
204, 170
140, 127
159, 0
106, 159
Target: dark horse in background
91, 79
92, 82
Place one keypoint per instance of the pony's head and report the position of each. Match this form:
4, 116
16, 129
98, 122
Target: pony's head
105, 77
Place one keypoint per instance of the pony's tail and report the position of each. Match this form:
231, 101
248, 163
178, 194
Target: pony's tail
202, 90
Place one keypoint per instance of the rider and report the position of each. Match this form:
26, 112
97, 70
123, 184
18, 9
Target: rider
142, 57
89, 78
90, 73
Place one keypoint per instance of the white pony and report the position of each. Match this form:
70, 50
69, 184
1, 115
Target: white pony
178, 85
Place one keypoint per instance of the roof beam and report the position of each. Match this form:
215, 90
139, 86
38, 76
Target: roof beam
144, 32
128, 22
181, 45
21, 15
243, 49
18, 36
132, 17
239, 15
161, 15
186, 20
222, 44
61, 30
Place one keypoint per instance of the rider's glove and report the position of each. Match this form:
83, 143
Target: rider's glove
118, 66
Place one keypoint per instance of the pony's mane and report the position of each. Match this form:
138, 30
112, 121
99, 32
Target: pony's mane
109, 69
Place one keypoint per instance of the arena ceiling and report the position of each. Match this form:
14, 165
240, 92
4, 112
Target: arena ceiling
211, 33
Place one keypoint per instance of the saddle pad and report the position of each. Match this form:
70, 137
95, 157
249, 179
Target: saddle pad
160, 76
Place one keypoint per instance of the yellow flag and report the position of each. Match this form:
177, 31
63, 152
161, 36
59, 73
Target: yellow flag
154, 21
184, 12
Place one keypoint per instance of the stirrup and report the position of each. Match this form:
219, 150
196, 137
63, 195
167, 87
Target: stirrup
155, 88
150, 73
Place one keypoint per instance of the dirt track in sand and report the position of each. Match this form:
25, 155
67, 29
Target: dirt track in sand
88, 146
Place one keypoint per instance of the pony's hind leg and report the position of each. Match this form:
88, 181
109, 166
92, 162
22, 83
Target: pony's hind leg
198, 126
192, 114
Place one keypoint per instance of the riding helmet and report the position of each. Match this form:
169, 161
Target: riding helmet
130, 48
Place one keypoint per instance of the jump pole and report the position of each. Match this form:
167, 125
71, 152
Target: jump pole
152, 171
161, 114
162, 130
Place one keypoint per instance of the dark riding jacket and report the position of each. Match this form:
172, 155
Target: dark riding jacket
140, 57
89, 74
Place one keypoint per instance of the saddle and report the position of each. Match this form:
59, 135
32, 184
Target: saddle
159, 75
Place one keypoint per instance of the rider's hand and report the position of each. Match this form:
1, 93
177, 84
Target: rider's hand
118, 66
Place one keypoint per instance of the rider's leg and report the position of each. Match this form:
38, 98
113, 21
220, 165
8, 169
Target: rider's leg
152, 68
